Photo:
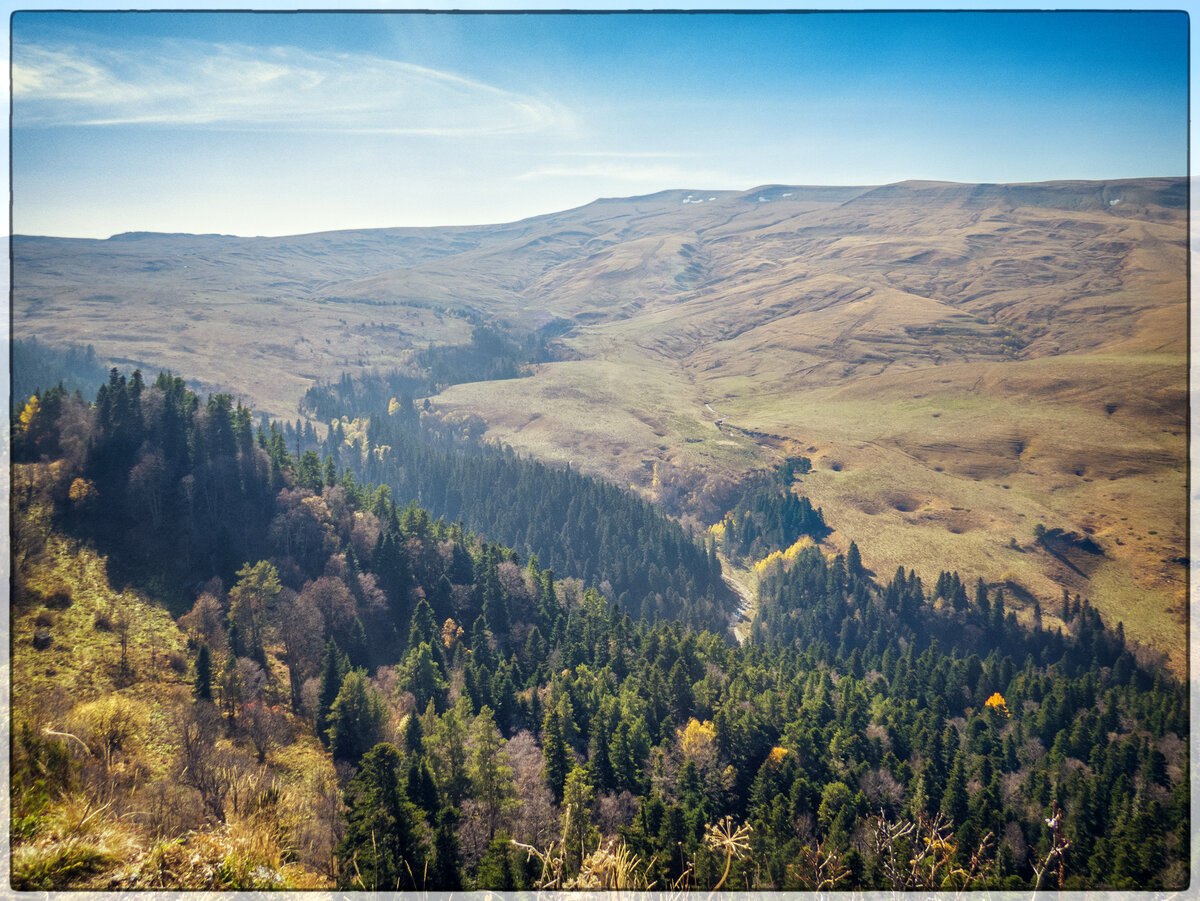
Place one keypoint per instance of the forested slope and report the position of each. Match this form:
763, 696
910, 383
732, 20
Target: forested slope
575, 524
357, 693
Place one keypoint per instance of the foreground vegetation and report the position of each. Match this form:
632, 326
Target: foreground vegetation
349, 691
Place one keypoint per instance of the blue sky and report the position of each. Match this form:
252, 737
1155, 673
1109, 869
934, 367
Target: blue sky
281, 124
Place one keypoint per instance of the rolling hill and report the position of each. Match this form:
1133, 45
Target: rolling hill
960, 362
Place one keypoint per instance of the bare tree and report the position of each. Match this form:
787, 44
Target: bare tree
534, 820
299, 625
614, 811
333, 600
200, 764
124, 625
922, 855
264, 726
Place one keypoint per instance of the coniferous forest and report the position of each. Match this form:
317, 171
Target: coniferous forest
393, 658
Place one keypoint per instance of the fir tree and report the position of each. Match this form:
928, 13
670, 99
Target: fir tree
202, 685
382, 848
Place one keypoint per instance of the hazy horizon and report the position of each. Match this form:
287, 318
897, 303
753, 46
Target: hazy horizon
552, 212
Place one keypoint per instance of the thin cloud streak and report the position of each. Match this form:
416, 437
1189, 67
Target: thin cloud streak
188, 83
632, 172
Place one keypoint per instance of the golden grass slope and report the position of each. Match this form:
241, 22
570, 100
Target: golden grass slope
124, 821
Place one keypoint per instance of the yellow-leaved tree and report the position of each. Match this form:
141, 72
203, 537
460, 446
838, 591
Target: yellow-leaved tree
997, 703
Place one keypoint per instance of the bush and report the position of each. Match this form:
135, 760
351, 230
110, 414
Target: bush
60, 596
46, 867
102, 622
177, 662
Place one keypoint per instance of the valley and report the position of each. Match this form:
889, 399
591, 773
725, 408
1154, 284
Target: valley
688, 541
960, 362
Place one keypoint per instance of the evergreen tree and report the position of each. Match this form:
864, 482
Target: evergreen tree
356, 718
497, 870
489, 770
578, 832
854, 560
357, 649
202, 685
558, 757
381, 850
421, 789
333, 671
954, 799
444, 872
419, 675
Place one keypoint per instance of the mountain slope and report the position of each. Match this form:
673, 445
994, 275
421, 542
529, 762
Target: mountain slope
961, 362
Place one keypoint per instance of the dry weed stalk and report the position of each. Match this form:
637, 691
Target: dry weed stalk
929, 865
734, 842
1058, 850
553, 863
820, 869
610, 868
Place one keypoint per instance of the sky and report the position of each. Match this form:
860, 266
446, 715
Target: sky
272, 124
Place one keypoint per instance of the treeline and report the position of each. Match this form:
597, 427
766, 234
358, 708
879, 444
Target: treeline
490, 354
331, 401
174, 490
992, 725
770, 517
611, 539
36, 366
494, 352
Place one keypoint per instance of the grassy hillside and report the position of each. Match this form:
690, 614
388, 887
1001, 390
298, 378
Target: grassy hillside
101, 689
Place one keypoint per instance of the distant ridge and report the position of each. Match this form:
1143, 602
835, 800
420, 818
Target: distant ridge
1166, 192
139, 236
1169, 192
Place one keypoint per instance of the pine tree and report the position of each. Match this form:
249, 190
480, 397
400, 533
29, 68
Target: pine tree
854, 560
357, 648
496, 872
489, 770
333, 671
558, 757
382, 849
421, 788
356, 718
202, 686
444, 873
420, 675
424, 626
578, 832
954, 799
414, 744
447, 744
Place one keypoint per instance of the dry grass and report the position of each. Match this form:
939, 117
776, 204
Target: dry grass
104, 831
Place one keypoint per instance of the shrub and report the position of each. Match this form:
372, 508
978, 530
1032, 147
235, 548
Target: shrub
44, 867
60, 596
102, 622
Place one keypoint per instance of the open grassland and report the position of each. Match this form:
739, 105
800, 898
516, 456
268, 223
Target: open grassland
944, 468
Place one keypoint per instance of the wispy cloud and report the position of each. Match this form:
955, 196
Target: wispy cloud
631, 168
190, 83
